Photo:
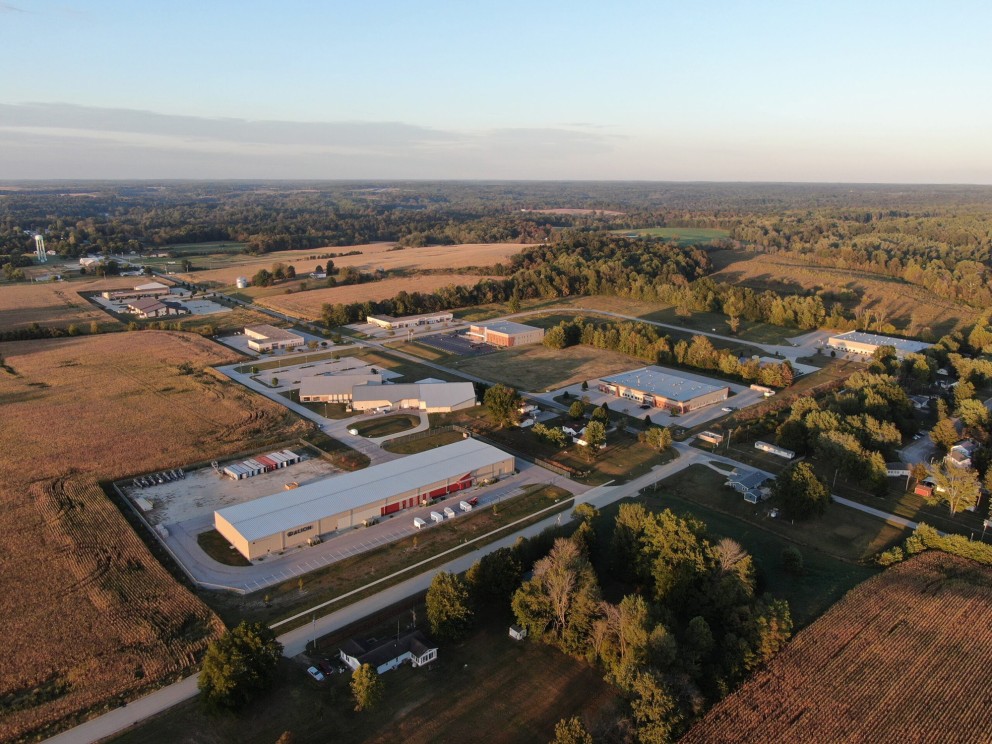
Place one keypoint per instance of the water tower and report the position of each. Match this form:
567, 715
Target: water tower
39, 248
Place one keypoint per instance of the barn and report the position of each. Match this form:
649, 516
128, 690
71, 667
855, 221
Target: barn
662, 389
506, 333
285, 520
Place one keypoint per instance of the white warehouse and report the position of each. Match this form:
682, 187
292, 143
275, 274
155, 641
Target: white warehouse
285, 520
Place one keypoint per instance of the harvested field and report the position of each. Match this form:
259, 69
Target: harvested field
902, 658
308, 304
375, 256
76, 410
909, 308
57, 304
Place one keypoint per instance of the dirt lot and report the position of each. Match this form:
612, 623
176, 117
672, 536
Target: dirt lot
100, 407
537, 368
910, 308
902, 658
56, 304
375, 256
308, 304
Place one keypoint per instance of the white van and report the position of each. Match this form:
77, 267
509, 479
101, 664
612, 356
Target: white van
419, 523
437, 516
464, 506
449, 512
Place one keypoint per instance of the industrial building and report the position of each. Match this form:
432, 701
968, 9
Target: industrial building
152, 289
434, 397
292, 518
505, 333
334, 388
389, 323
661, 389
859, 342
266, 338
149, 307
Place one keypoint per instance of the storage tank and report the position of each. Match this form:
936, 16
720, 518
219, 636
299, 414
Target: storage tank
241, 282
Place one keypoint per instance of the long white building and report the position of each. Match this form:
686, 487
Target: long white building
291, 518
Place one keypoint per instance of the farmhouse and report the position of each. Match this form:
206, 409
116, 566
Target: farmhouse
663, 389
435, 397
288, 519
334, 388
152, 289
389, 323
267, 337
749, 483
506, 333
866, 343
390, 653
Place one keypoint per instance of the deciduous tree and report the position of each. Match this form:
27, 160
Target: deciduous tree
366, 687
448, 609
239, 665
502, 402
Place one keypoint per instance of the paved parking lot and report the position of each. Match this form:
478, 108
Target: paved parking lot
455, 343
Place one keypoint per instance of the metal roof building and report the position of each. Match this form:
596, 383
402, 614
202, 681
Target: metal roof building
434, 397
266, 337
284, 520
866, 343
663, 389
334, 388
506, 333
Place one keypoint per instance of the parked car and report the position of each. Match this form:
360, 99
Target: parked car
326, 667
474, 501
727, 409
315, 673
644, 406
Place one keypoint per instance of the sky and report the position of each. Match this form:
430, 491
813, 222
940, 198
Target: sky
893, 92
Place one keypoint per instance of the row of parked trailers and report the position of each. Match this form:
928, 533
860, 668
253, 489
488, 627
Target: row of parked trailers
261, 464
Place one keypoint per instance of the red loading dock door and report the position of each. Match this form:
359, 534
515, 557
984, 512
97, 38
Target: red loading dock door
390, 509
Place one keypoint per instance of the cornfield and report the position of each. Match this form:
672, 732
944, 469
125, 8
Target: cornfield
904, 657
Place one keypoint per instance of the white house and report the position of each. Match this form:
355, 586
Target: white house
390, 653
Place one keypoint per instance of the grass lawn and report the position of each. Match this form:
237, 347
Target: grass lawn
381, 427
338, 452
422, 445
485, 688
411, 371
538, 368
355, 572
217, 547
683, 235
287, 360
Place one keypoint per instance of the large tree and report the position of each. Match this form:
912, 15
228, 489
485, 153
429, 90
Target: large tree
238, 665
502, 402
494, 577
803, 493
957, 487
366, 687
571, 731
448, 609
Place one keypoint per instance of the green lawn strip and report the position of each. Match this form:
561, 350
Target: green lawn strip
348, 580
327, 410
382, 427
486, 683
217, 547
423, 444
288, 360
336, 451
410, 371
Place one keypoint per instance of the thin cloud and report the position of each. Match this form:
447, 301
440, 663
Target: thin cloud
8, 8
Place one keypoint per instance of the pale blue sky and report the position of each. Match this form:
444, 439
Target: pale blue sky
826, 91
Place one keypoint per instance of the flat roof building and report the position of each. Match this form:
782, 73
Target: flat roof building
434, 397
267, 337
389, 323
291, 518
151, 289
663, 389
860, 342
334, 388
506, 333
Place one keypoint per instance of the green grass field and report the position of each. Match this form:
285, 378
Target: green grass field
217, 547
383, 427
424, 444
684, 235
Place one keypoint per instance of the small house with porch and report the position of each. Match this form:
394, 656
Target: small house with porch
385, 655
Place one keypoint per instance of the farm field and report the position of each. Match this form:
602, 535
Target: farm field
308, 304
684, 235
374, 256
57, 304
78, 410
911, 309
902, 658
537, 368
487, 683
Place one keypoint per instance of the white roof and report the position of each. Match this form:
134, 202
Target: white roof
324, 498
433, 395
151, 286
664, 384
336, 384
903, 345
506, 326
